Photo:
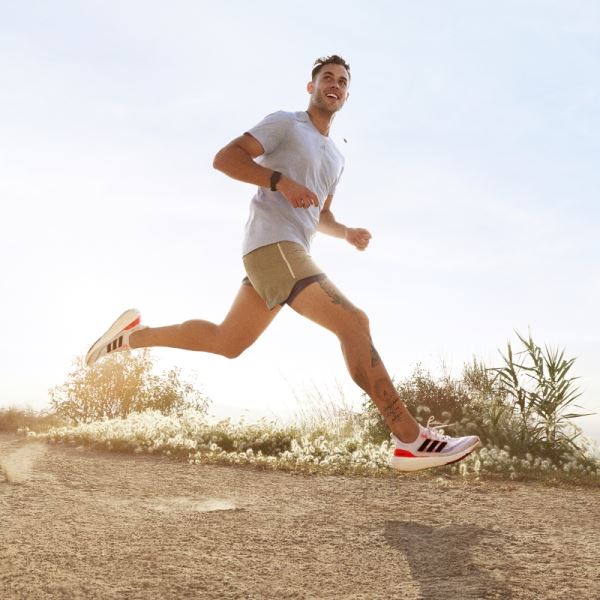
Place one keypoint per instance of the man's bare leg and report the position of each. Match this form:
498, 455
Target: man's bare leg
246, 320
324, 304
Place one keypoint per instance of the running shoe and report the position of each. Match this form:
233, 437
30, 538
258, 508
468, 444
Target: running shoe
116, 338
431, 449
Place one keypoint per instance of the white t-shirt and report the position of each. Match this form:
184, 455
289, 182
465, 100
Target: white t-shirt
294, 146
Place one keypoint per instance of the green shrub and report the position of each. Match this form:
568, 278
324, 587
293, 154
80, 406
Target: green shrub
120, 384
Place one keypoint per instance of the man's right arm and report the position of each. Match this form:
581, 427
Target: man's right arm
237, 160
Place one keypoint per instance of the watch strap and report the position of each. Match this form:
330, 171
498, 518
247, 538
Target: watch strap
275, 177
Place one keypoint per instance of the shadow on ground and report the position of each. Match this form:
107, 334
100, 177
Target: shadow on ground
442, 559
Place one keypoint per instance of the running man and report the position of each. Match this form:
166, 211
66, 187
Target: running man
296, 167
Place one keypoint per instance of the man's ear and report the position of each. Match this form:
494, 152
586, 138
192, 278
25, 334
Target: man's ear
310, 87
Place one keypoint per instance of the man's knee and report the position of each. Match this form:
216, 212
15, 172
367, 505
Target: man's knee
232, 348
362, 320
233, 352
354, 330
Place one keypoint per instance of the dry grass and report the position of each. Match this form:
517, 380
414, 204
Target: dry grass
12, 419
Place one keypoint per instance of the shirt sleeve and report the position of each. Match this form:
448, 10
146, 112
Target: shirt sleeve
334, 186
271, 130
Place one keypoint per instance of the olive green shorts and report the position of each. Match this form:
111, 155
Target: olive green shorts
279, 272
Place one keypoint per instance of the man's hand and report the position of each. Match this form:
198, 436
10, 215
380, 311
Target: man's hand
297, 195
358, 237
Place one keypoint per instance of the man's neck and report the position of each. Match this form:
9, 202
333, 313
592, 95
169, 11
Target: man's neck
320, 119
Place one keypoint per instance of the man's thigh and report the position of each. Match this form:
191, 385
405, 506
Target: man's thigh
323, 303
248, 316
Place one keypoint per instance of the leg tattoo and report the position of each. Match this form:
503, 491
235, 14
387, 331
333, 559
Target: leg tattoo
375, 358
390, 404
335, 295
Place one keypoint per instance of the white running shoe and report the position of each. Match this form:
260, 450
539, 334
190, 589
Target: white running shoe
116, 337
431, 449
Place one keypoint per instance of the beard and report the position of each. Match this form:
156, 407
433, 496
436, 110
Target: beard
323, 105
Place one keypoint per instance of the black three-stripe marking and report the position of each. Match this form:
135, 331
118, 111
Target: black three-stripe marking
432, 446
116, 343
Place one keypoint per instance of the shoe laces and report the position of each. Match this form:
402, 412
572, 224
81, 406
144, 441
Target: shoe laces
433, 430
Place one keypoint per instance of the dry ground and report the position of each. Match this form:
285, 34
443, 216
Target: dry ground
77, 523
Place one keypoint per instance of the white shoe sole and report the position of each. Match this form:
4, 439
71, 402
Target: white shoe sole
419, 463
126, 319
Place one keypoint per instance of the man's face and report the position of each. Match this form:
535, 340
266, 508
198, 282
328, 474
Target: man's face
329, 91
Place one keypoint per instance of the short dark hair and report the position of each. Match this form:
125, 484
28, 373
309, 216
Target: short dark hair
334, 59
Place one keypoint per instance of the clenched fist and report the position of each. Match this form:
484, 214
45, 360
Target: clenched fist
358, 237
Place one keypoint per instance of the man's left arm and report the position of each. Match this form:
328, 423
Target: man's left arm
356, 236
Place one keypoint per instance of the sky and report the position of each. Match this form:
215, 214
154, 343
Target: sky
472, 149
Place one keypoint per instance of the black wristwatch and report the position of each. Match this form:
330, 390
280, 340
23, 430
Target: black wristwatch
275, 177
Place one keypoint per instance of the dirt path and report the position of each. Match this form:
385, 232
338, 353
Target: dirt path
76, 523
